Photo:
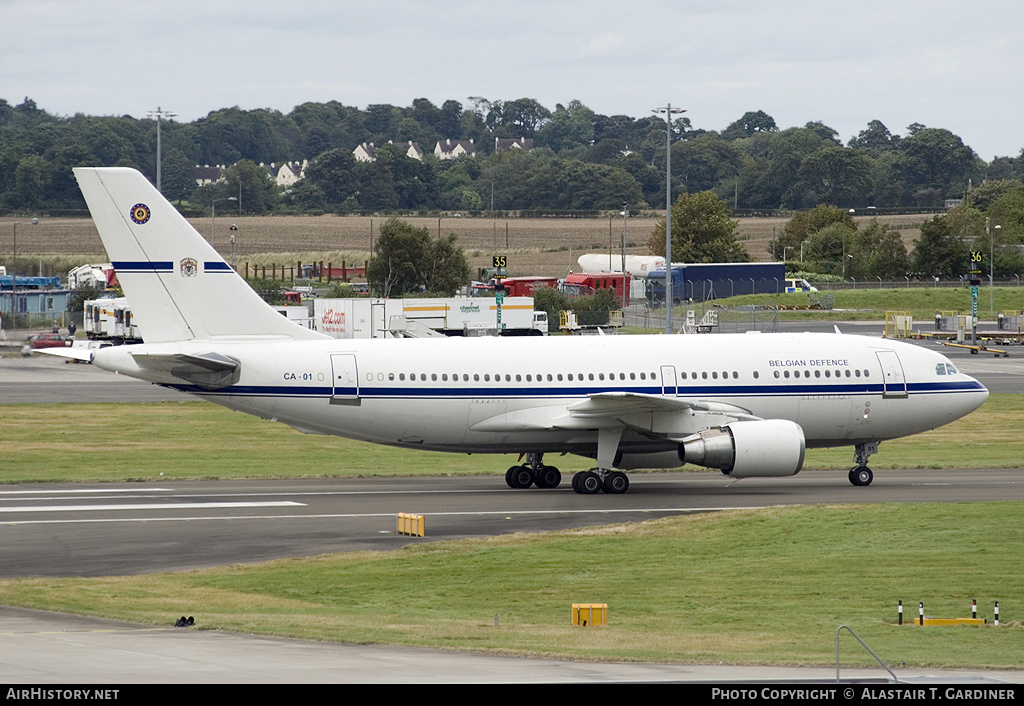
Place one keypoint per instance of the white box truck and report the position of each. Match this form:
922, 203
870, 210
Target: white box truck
377, 318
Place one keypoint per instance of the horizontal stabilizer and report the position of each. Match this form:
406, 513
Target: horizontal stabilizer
210, 371
83, 355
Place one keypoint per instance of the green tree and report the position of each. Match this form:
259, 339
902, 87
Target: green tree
752, 122
992, 192
569, 126
875, 140
178, 176
522, 118
935, 164
702, 231
254, 184
770, 175
702, 162
31, 180
942, 249
832, 249
878, 252
552, 301
407, 260
271, 291
803, 225
836, 174
333, 175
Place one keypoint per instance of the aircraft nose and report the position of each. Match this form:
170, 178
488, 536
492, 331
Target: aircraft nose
974, 397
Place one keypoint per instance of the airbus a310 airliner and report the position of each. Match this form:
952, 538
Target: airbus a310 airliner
746, 404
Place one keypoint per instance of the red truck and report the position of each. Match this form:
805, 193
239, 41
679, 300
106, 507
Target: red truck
582, 283
515, 286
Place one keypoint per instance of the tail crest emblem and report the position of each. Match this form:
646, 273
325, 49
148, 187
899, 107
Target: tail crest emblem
140, 213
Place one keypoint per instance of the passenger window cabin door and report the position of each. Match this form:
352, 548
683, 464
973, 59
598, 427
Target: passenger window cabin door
894, 382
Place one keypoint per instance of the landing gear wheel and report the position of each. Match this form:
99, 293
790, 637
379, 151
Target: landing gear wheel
861, 475
586, 483
519, 477
615, 483
547, 477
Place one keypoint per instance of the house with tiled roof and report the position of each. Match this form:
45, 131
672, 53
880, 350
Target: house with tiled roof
522, 143
286, 173
366, 152
206, 175
453, 149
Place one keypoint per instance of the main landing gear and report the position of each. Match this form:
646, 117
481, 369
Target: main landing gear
595, 480
861, 474
535, 473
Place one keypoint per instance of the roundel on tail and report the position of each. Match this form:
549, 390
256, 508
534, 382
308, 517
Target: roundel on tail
140, 213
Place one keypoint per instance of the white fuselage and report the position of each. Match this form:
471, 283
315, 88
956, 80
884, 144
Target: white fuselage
498, 395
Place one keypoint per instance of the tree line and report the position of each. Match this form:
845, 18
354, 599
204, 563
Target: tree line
581, 160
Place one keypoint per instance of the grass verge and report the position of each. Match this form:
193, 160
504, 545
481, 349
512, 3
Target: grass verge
739, 586
196, 440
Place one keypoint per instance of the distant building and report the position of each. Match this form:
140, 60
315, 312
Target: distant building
521, 143
453, 149
35, 295
286, 173
207, 175
366, 152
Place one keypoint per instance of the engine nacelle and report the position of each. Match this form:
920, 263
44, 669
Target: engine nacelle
772, 447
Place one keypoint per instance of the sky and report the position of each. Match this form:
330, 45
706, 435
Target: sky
944, 64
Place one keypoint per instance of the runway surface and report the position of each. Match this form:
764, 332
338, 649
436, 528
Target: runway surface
56, 530
132, 528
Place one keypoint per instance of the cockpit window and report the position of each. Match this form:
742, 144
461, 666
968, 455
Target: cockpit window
940, 369
950, 369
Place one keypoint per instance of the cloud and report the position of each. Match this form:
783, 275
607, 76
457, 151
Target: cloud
607, 44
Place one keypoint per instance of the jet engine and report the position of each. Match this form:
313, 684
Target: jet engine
771, 447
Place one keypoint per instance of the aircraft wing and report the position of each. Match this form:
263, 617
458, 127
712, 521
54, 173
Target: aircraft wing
617, 404
609, 410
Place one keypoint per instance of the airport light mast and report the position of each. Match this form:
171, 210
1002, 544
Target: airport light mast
669, 111
159, 157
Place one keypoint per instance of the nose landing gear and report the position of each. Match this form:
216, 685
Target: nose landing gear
860, 474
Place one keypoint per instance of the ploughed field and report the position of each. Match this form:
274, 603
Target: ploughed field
535, 246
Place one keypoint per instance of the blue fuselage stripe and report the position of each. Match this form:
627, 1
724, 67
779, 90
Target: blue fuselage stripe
143, 266
407, 392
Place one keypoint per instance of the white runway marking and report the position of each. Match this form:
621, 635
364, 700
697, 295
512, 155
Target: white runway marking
366, 515
77, 491
146, 506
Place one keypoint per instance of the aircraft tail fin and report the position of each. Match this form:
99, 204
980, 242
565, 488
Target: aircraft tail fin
178, 286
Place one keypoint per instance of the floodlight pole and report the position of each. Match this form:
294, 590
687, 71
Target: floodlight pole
625, 212
159, 157
14, 270
668, 110
991, 269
